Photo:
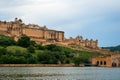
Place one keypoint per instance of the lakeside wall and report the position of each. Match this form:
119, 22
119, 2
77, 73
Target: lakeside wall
37, 65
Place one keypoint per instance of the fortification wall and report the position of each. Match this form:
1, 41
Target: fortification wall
31, 32
17, 28
81, 42
4, 26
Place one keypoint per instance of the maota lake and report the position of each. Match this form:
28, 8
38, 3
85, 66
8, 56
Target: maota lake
59, 73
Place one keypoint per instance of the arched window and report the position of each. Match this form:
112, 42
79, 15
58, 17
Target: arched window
119, 64
97, 63
104, 62
101, 62
114, 64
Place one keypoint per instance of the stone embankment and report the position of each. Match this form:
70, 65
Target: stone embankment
37, 65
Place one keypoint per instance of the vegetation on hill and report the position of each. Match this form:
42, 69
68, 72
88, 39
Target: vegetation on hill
27, 51
116, 48
6, 41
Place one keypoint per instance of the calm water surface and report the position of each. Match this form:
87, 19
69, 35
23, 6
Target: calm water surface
59, 73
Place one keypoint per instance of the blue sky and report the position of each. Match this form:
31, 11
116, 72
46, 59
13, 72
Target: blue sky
96, 19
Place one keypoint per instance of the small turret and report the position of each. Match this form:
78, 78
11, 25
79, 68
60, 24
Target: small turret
20, 20
16, 19
79, 38
70, 38
86, 39
96, 40
91, 39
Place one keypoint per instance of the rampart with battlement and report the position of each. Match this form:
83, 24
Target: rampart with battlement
43, 35
17, 28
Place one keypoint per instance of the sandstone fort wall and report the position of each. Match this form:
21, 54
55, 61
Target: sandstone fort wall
17, 28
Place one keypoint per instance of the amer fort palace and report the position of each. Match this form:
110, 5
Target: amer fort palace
44, 36
40, 34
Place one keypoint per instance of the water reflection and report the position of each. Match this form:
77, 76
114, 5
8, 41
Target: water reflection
59, 73
29, 75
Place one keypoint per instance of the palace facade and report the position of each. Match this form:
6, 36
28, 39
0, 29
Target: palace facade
110, 60
17, 28
37, 33
82, 42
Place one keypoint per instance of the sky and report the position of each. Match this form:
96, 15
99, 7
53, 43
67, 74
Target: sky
92, 19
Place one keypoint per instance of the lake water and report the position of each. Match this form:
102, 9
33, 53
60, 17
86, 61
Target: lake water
59, 73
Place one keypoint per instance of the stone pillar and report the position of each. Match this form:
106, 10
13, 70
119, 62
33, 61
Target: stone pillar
16, 19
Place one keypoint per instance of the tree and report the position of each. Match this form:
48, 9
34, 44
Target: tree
77, 61
2, 51
6, 41
16, 50
67, 61
24, 41
53, 47
47, 57
31, 49
32, 60
40, 47
32, 43
80, 60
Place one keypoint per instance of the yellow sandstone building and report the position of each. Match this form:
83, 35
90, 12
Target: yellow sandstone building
17, 28
43, 35
110, 60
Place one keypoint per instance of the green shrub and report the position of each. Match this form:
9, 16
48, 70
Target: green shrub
31, 49
16, 50
24, 41
6, 41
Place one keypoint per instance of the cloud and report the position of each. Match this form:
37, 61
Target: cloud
89, 18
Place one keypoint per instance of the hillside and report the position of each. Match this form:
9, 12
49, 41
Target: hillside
115, 48
25, 51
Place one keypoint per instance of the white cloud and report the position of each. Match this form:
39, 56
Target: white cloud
78, 16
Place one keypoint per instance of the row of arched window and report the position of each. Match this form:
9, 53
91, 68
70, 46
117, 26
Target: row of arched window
101, 63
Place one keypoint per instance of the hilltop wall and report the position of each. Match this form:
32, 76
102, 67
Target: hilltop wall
43, 35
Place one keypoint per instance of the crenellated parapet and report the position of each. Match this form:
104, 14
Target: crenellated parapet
17, 28
38, 33
82, 42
